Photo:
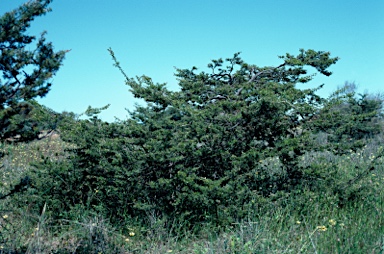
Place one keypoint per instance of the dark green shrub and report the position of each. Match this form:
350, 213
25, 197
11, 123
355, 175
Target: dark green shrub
203, 154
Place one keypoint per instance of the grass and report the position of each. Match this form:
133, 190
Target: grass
303, 222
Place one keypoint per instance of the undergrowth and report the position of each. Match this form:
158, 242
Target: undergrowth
303, 221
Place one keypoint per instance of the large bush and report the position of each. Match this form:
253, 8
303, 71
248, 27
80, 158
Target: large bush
204, 153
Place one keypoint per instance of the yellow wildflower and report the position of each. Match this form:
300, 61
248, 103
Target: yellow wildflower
131, 233
298, 222
321, 228
332, 222
5, 216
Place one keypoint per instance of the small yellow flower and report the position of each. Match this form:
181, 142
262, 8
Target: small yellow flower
298, 222
321, 228
131, 233
5, 216
169, 251
332, 222
126, 239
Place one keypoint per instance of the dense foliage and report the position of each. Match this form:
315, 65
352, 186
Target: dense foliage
25, 71
203, 153
236, 142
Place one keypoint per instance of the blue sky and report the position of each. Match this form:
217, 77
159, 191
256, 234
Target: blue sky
153, 37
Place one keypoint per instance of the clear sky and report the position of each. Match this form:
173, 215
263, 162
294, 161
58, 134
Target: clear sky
152, 37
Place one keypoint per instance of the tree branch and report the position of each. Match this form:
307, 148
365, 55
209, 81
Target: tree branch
255, 75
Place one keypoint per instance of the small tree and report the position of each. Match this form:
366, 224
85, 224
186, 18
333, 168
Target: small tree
25, 73
202, 153
203, 149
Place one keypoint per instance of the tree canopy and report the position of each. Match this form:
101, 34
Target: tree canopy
26, 71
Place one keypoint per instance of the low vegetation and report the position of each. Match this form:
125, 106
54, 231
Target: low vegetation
300, 222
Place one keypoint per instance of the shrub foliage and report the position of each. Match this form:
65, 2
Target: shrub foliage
201, 153
233, 140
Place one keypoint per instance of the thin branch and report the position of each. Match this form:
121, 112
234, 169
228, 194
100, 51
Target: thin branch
255, 75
